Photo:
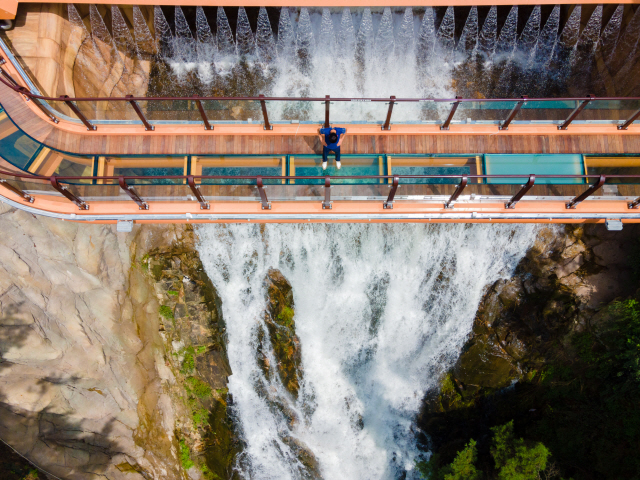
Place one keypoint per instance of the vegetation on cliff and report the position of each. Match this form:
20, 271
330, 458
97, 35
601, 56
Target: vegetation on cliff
194, 334
560, 373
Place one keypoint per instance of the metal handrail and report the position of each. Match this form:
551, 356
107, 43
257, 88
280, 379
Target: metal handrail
293, 177
326, 204
8, 81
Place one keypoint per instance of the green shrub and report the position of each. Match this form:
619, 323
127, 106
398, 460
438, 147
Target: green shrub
513, 458
185, 455
462, 468
166, 312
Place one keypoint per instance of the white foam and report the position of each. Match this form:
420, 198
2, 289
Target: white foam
380, 310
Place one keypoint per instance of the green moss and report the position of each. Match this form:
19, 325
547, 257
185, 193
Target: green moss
166, 312
286, 317
185, 455
201, 417
201, 349
188, 363
172, 292
199, 388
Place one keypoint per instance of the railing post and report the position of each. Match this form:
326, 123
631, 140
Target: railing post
575, 113
327, 124
631, 119
79, 114
64, 190
265, 116
195, 189
456, 194
327, 193
454, 107
136, 107
589, 191
203, 114
266, 204
6, 75
523, 191
392, 193
387, 122
17, 191
514, 111
133, 194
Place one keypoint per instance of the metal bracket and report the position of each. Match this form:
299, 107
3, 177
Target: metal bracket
454, 107
518, 196
265, 115
131, 191
136, 107
456, 194
589, 191
74, 108
195, 189
327, 194
575, 113
514, 111
203, 114
64, 190
17, 191
394, 187
387, 122
266, 204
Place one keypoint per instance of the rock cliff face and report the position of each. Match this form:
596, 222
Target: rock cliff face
103, 368
525, 322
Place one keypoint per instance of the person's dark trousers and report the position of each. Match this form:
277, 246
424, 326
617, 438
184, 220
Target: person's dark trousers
325, 154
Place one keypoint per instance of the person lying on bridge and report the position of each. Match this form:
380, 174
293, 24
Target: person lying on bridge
331, 139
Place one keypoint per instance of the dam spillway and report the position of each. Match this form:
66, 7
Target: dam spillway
476, 52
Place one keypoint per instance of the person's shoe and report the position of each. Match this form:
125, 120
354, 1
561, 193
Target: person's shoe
324, 165
338, 165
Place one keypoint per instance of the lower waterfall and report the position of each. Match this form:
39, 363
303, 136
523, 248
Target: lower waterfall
380, 311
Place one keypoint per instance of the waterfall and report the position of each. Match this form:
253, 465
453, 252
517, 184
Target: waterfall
121, 35
102, 38
469, 39
392, 51
286, 45
506, 42
145, 44
224, 35
446, 32
381, 311
609, 37
244, 36
405, 43
489, 34
265, 44
163, 35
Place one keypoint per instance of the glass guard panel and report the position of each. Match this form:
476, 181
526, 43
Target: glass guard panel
548, 110
171, 110
355, 111
33, 187
403, 112
468, 112
15, 147
293, 111
609, 110
231, 110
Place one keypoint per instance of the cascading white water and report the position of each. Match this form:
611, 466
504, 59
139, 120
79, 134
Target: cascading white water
380, 310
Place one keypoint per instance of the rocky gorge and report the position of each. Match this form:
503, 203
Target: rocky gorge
114, 348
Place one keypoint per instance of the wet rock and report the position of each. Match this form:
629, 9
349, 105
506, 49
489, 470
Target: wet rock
279, 319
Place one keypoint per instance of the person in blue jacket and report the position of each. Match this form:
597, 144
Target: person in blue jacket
331, 139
